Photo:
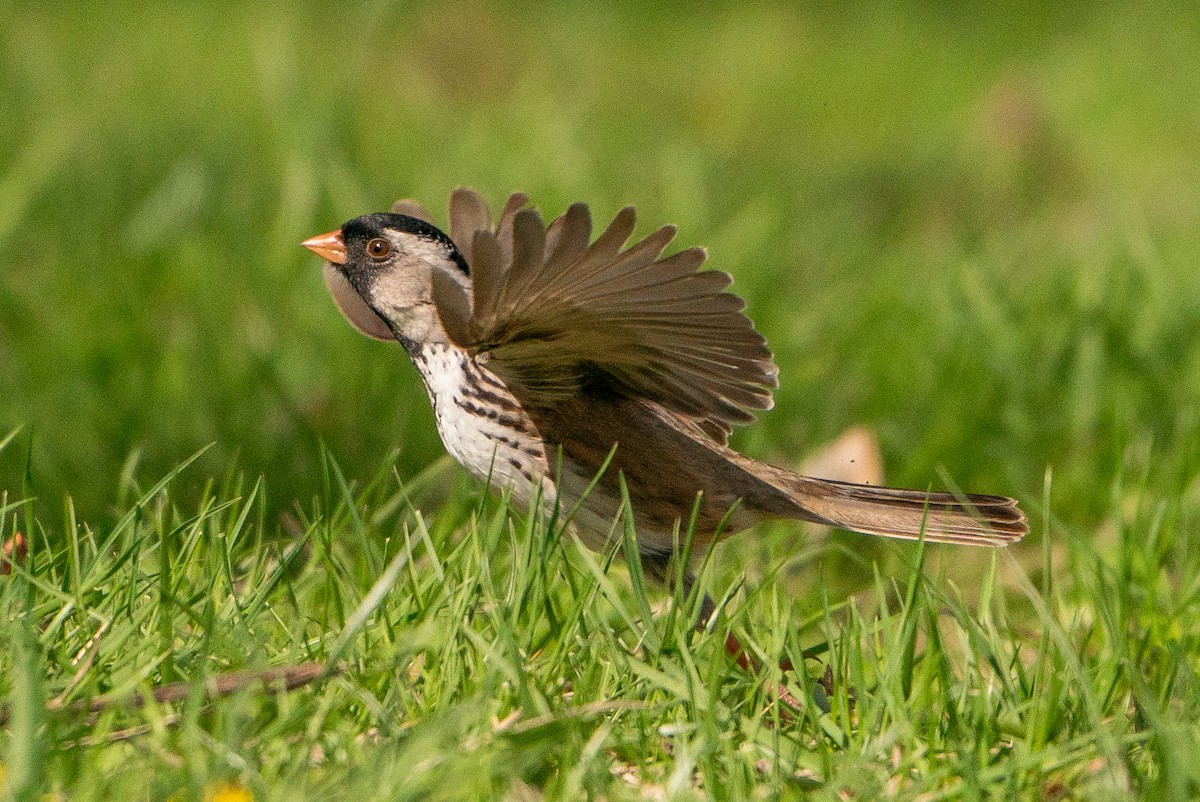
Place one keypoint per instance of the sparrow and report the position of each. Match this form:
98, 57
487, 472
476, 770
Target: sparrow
572, 372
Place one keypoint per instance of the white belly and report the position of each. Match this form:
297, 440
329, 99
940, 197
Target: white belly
481, 425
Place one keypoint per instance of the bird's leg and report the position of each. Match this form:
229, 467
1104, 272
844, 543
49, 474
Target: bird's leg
660, 567
750, 663
733, 646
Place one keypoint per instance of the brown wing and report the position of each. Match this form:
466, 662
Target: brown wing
412, 209
555, 313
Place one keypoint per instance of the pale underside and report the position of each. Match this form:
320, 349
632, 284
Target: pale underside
479, 421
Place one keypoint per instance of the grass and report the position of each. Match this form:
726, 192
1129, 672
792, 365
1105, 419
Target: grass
478, 654
972, 231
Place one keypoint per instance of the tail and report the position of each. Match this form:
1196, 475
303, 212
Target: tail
973, 520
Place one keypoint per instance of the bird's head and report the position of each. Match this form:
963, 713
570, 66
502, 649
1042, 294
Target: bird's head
380, 271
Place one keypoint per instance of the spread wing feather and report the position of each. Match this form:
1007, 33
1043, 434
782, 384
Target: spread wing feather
412, 209
468, 214
553, 312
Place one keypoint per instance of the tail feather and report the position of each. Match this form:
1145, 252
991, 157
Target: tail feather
911, 514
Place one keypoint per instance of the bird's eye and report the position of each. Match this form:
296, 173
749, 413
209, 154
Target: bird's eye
379, 248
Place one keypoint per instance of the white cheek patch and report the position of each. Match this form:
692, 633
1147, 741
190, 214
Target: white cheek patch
429, 251
403, 292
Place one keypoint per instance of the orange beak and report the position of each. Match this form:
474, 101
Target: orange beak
328, 246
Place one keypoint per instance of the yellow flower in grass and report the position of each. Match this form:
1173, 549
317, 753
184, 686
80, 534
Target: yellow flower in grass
227, 792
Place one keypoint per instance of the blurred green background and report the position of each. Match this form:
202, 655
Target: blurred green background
972, 227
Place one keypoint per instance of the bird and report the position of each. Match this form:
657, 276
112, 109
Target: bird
582, 375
